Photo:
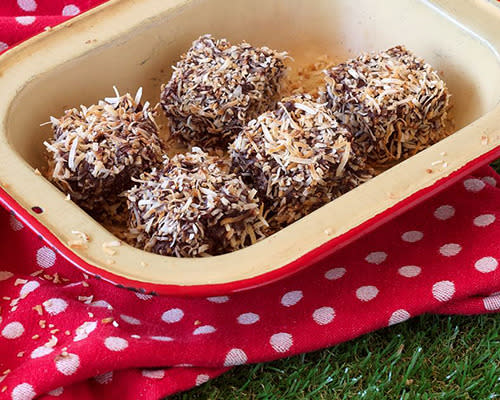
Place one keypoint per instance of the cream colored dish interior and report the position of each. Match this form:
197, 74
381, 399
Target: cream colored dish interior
131, 44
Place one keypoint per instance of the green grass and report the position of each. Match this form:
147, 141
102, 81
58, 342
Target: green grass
496, 165
429, 357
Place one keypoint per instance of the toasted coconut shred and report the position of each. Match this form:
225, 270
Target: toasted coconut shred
393, 102
193, 206
96, 150
298, 158
216, 88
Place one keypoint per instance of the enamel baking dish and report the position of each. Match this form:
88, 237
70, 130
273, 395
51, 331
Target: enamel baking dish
132, 43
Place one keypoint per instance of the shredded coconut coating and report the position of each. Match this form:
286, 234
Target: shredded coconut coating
96, 150
393, 102
298, 158
216, 88
193, 206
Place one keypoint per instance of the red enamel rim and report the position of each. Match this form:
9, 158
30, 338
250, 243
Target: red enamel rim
302, 262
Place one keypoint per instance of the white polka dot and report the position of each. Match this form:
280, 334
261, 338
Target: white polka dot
45, 257
143, 296
203, 330
450, 249
409, 271
443, 290
4, 275
366, 293
15, 225
201, 379
130, 320
335, 273
173, 315
84, 330
324, 315
492, 302
162, 338
474, 185
114, 343
153, 373
291, 298
25, 20
377, 257
105, 378
412, 236
55, 306
444, 212
68, 364
218, 299
484, 220
3, 46
27, 5
28, 287
24, 391
398, 316
13, 330
235, 357
486, 264
56, 392
101, 303
70, 10
281, 342
248, 318
41, 351
489, 180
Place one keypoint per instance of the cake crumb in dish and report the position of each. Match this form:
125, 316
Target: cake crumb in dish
77, 244
393, 102
113, 243
81, 235
109, 251
308, 78
298, 158
96, 150
216, 88
107, 247
193, 206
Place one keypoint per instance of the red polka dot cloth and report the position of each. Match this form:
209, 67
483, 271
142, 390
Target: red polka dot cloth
69, 336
